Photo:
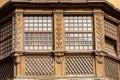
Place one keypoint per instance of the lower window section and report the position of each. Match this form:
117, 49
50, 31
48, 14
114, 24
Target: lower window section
79, 41
75, 65
79, 65
111, 69
7, 69
39, 65
110, 47
38, 41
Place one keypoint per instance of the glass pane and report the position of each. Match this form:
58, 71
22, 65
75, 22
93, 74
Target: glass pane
39, 41
40, 22
78, 41
78, 23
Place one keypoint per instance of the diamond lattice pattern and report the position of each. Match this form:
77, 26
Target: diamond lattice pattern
111, 69
79, 65
42, 65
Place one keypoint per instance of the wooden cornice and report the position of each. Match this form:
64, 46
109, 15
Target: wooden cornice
9, 7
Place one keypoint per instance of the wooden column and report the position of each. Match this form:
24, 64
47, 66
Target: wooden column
18, 69
118, 31
17, 41
119, 70
118, 40
99, 42
17, 21
59, 42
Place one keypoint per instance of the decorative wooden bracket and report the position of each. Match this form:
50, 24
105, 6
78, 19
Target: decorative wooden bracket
16, 55
100, 57
59, 57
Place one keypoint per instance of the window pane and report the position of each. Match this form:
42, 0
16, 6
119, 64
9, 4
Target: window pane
110, 29
79, 31
110, 48
78, 41
37, 23
38, 32
78, 23
37, 41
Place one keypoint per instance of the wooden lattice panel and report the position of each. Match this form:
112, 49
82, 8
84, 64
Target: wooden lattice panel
110, 29
5, 39
42, 65
111, 69
79, 65
6, 70
110, 48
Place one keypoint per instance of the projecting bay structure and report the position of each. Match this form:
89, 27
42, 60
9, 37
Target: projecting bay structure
59, 40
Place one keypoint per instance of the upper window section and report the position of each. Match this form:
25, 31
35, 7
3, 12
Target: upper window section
38, 23
78, 32
5, 31
110, 29
38, 32
78, 23
6, 39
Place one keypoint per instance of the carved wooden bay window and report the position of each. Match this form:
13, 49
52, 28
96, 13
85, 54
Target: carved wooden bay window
6, 39
79, 32
38, 32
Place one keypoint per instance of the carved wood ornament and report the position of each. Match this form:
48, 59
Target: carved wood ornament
100, 57
59, 57
59, 41
16, 31
99, 28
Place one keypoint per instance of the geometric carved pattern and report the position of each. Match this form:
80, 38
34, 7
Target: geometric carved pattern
42, 65
111, 69
16, 32
6, 70
99, 29
79, 65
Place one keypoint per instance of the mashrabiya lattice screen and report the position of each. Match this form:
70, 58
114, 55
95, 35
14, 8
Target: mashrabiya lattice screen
6, 70
42, 65
79, 65
111, 69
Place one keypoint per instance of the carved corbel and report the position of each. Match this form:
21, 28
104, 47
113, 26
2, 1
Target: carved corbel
100, 57
59, 57
17, 56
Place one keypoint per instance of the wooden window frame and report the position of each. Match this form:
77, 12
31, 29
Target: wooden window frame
75, 31
47, 28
